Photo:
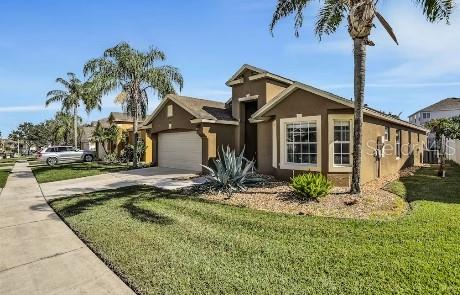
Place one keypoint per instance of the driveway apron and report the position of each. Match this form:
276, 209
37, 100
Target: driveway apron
39, 254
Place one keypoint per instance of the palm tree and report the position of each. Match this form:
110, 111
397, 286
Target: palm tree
106, 134
360, 15
133, 72
74, 94
62, 127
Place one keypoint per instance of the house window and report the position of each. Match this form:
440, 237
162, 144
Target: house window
398, 143
301, 143
342, 142
170, 110
426, 115
387, 133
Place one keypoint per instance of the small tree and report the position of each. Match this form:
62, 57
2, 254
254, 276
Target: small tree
24, 133
106, 134
445, 128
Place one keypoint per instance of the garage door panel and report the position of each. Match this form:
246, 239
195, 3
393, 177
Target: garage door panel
181, 150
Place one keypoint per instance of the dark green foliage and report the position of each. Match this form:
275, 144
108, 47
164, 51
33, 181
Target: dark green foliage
135, 73
3, 177
311, 185
127, 154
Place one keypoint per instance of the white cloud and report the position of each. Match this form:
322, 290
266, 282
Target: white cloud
426, 50
340, 46
26, 109
394, 85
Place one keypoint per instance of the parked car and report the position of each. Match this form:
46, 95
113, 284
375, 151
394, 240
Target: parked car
64, 154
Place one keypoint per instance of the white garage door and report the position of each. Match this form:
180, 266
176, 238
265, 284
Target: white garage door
180, 150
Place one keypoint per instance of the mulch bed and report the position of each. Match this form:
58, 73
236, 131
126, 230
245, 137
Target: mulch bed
277, 196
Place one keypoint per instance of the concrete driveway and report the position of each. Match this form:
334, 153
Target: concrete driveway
165, 178
39, 254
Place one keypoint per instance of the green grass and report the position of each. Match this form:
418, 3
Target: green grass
44, 173
8, 161
3, 177
439, 189
7, 164
164, 243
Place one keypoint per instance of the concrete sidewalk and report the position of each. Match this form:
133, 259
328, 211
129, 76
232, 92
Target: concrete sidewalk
165, 178
39, 254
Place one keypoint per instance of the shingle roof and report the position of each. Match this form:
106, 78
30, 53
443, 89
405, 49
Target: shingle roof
204, 108
120, 117
104, 122
448, 104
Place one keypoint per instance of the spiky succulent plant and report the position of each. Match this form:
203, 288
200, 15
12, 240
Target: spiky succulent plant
232, 172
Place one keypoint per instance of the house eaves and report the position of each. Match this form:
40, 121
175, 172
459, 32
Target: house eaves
261, 73
163, 103
202, 110
224, 122
445, 105
259, 116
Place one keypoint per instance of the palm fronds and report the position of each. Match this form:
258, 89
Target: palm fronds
436, 10
285, 8
330, 17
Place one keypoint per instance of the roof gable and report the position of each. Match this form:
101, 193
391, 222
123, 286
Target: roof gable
447, 104
199, 108
257, 73
259, 115
120, 117
286, 92
241, 70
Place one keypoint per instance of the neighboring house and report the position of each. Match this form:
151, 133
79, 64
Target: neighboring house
446, 108
286, 126
9, 147
124, 124
86, 138
144, 135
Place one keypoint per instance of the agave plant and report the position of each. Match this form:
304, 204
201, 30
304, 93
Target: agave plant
232, 172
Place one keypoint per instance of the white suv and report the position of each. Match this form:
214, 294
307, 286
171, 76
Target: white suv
64, 154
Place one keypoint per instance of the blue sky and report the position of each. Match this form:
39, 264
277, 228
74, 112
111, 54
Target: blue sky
208, 41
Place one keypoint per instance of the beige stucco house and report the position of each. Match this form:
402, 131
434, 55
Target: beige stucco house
286, 126
123, 123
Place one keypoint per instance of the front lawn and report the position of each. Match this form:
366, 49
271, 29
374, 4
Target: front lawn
7, 164
44, 173
9, 161
3, 177
166, 243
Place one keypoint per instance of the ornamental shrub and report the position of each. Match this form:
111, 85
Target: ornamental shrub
311, 185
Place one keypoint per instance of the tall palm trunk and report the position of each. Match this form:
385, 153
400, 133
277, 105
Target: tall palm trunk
75, 126
359, 48
135, 127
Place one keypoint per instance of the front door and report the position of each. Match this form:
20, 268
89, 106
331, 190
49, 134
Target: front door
250, 132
